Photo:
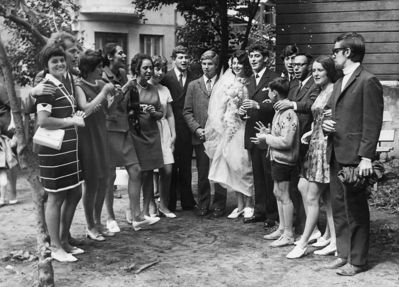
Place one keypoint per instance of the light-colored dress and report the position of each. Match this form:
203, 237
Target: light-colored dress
317, 168
163, 125
231, 165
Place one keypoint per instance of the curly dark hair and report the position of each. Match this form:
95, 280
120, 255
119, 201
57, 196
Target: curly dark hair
160, 62
137, 61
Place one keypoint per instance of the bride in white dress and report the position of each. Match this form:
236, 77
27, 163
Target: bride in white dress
224, 132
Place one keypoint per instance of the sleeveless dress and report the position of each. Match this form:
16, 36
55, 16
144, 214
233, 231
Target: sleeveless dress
148, 141
165, 98
317, 168
231, 166
93, 138
60, 169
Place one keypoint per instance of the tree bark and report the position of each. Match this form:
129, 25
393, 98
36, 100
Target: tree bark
224, 25
252, 10
28, 160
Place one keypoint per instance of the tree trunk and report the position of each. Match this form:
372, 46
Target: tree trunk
252, 10
224, 25
28, 159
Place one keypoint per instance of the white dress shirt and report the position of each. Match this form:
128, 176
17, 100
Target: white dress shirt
348, 71
178, 72
260, 74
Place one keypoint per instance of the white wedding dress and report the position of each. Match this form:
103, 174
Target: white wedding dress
224, 132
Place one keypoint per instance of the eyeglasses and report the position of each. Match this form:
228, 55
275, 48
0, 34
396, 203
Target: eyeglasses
335, 51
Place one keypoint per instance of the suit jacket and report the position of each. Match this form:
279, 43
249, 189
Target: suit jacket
196, 107
358, 111
178, 95
304, 100
265, 113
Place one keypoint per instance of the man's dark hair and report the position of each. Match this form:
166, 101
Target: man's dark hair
289, 50
88, 62
179, 50
281, 85
355, 42
260, 48
309, 59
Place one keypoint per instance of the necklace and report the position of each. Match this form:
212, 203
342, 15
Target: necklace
138, 83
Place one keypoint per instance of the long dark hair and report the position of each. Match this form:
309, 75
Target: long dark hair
88, 62
328, 64
243, 59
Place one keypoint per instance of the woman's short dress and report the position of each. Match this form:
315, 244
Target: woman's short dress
317, 168
93, 137
60, 169
163, 125
148, 140
120, 143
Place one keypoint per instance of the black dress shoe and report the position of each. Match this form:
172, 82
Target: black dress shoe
217, 212
202, 212
337, 263
253, 219
351, 270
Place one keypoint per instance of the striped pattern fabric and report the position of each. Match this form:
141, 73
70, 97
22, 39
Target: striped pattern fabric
60, 169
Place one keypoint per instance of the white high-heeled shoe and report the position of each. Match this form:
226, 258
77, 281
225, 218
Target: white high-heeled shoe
167, 214
235, 213
328, 250
138, 225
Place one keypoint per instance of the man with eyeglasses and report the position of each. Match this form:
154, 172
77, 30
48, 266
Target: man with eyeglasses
357, 107
301, 96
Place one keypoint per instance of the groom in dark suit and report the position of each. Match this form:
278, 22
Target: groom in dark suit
259, 108
176, 80
357, 107
196, 114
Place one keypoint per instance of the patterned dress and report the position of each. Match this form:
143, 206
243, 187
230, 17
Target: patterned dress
60, 169
317, 168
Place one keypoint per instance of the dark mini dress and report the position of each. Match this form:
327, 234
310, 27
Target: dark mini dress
93, 137
148, 140
121, 148
60, 169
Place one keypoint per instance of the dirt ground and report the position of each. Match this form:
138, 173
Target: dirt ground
190, 251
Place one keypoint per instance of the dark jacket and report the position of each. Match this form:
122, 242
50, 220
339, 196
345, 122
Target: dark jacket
358, 111
265, 113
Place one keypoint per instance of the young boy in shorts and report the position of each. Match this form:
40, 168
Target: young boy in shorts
283, 142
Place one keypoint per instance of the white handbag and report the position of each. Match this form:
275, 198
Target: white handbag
49, 138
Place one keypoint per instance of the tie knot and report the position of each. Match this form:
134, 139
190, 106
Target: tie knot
256, 75
209, 81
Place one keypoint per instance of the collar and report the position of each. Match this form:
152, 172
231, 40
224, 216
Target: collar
177, 72
109, 73
53, 79
261, 72
212, 79
306, 80
349, 70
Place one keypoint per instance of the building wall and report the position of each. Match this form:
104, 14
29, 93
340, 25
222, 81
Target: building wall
118, 16
314, 24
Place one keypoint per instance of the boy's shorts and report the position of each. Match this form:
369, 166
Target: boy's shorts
282, 172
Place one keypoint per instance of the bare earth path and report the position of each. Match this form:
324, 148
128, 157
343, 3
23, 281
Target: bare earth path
191, 251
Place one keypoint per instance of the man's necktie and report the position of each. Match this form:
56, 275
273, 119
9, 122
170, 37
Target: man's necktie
181, 80
256, 79
299, 88
209, 86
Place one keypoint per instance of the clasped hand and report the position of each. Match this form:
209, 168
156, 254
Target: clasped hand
200, 132
78, 118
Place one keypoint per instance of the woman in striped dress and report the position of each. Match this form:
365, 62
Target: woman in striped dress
60, 172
